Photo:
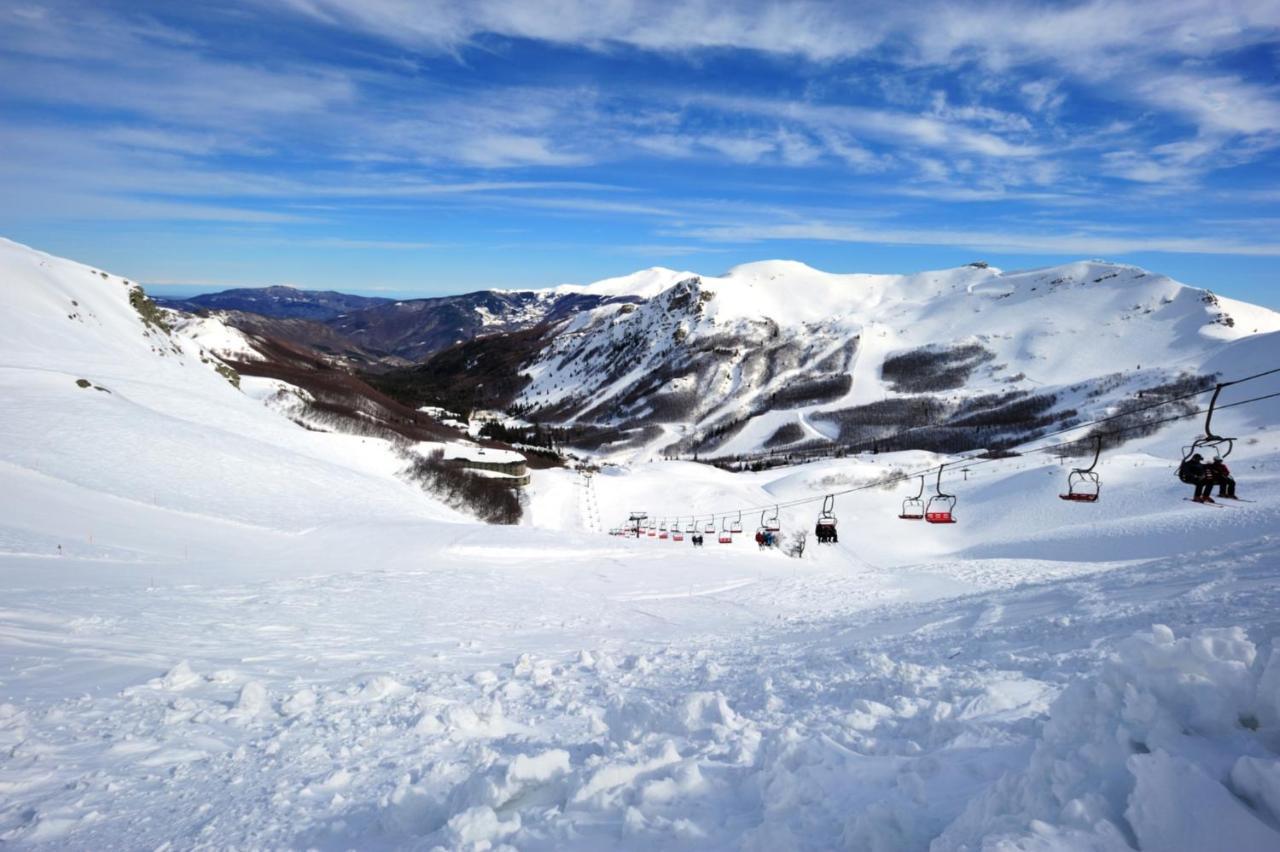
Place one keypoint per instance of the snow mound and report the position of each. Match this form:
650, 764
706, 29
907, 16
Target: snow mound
1172, 746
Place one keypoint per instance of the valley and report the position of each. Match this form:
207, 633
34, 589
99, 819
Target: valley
231, 620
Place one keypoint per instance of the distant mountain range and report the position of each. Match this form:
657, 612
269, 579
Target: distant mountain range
370, 332
277, 302
776, 357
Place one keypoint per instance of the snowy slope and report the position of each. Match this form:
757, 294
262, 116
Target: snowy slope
255, 636
156, 424
729, 362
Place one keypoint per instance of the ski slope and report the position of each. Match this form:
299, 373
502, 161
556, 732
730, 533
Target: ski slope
219, 629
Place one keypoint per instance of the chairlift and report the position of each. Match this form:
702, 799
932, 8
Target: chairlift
825, 529
653, 529
710, 526
691, 527
772, 523
735, 528
677, 534
1209, 441
940, 506
726, 534
1083, 485
913, 507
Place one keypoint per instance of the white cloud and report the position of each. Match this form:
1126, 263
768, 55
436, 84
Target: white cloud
1043, 95
1080, 244
1132, 50
742, 149
168, 109
816, 30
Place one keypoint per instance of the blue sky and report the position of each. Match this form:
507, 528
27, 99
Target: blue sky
417, 148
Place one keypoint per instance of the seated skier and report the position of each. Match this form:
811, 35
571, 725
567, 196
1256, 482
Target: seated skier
1222, 476
1195, 472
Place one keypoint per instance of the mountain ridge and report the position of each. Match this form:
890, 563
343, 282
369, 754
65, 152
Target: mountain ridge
777, 358
778, 355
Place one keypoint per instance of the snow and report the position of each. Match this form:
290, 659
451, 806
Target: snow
220, 629
1032, 323
482, 454
216, 337
644, 284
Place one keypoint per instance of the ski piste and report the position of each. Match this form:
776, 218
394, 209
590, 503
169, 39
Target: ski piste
268, 622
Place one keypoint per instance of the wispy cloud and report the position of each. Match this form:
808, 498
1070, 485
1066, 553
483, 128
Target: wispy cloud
369, 245
366, 124
1011, 240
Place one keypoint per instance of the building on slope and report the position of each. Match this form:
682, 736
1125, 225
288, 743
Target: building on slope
494, 463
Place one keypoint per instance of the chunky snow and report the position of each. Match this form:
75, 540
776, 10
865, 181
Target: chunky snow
219, 629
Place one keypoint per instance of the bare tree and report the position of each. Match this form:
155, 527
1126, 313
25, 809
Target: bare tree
797, 542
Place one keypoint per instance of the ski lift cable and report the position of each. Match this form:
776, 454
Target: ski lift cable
976, 460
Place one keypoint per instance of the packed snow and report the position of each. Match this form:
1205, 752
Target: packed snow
220, 629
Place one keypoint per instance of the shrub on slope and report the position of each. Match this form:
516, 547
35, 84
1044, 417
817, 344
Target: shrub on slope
491, 500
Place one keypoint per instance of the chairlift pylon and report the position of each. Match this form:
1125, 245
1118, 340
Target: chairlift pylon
913, 507
1083, 485
940, 508
635, 523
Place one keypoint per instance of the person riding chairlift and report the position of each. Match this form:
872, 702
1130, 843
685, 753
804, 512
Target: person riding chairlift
1222, 476
826, 533
1195, 472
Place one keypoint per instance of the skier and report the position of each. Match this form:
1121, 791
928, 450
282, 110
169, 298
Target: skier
1222, 475
760, 542
1194, 472
696, 538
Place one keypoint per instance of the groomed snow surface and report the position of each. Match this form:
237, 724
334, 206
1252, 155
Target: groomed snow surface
219, 630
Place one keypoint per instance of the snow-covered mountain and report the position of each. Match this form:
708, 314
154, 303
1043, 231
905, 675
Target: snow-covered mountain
100, 393
223, 629
779, 355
